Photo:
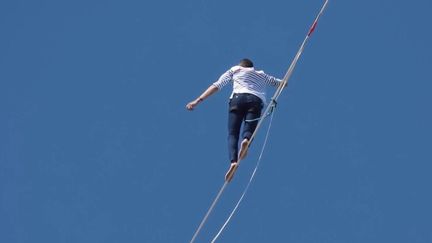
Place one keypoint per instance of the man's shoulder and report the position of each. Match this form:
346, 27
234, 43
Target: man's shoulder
238, 68
235, 68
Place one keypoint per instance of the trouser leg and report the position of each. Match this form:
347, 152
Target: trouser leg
235, 118
251, 123
253, 112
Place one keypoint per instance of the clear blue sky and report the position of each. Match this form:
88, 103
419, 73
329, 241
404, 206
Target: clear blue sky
96, 144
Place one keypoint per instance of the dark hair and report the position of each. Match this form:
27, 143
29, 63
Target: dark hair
246, 63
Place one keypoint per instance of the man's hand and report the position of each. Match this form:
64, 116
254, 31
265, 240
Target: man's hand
209, 91
191, 105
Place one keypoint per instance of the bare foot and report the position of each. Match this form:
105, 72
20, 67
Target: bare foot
230, 174
244, 148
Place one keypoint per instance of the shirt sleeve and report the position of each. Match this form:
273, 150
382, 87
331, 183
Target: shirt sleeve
270, 80
224, 79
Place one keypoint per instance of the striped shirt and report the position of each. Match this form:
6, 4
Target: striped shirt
247, 80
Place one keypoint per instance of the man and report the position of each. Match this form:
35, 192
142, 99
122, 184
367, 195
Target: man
245, 105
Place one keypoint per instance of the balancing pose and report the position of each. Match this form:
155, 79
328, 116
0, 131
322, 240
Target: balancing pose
245, 105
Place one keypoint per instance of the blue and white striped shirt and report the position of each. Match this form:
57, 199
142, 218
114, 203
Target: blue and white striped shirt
247, 80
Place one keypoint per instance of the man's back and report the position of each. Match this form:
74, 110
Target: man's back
247, 80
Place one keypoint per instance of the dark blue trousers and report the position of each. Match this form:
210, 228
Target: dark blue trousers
242, 108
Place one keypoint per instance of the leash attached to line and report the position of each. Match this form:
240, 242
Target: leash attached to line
267, 112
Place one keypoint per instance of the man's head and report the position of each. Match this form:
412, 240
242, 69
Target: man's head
246, 63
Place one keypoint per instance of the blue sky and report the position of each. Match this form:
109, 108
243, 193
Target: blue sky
96, 144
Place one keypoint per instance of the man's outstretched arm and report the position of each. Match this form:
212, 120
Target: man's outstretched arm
208, 92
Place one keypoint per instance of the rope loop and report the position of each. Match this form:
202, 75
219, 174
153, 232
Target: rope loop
273, 105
